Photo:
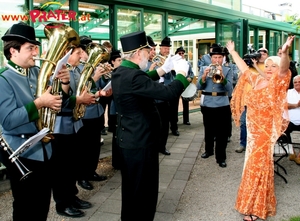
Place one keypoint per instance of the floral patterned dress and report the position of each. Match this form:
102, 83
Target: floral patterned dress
265, 123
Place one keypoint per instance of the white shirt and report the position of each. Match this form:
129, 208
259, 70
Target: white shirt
293, 97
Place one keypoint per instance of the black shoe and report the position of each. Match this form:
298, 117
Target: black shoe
70, 212
85, 184
165, 152
81, 204
222, 164
97, 177
187, 123
206, 155
175, 133
103, 132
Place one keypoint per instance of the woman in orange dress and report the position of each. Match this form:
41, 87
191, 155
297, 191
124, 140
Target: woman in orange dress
266, 104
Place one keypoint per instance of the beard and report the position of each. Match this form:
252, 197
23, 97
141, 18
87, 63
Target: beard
143, 63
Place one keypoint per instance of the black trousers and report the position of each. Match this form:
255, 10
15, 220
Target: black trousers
115, 150
65, 166
89, 137
106, 101
32, 195
292, 127
140, 173
163, 110
217, 124
173, 114
185, 111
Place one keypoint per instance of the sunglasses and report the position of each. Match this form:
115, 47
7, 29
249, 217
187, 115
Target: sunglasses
180, 53
264, 51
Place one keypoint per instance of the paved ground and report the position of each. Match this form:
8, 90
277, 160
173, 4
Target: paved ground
192, 188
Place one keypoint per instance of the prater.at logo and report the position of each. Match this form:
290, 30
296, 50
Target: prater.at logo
40, 15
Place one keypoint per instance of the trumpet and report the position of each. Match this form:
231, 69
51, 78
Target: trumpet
21, 167
215, 74
108, 68
159, 59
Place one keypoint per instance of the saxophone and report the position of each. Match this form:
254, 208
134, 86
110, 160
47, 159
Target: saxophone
97, 54
60, 36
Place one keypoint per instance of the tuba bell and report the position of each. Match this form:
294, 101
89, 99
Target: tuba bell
97, 54
215, 74
59, 37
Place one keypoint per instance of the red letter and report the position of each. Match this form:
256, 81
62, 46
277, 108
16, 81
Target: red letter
72, 15
34, 14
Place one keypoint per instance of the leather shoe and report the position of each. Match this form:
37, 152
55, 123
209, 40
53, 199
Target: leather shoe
85, 184
222, 164
70, 212
103, 132
81, 204
97, 177
206, 155
165, 152
175, 133
187, 123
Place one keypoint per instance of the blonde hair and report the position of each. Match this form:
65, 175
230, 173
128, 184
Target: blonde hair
275, 59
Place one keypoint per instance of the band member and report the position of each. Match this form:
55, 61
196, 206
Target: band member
138, 120
18, 114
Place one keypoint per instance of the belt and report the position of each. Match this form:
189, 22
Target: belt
215, 93
26, 136
65, 114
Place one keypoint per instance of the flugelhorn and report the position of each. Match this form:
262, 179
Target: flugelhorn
97, 54
159, 59
21, 167
60, 36
215, 74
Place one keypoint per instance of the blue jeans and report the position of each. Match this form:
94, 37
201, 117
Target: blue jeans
243, 129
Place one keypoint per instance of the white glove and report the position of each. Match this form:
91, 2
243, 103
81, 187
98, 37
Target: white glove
168, 65
181, 67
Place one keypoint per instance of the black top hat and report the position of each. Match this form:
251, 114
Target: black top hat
84, 41
218, 50
150, 41
114, 55
166, 42
21, 32
134, 41
179, 49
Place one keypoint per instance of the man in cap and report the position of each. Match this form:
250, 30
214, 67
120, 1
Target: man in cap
215, 106
18, 114
91, 120
189, 77
162, 106
206, 59
138, 123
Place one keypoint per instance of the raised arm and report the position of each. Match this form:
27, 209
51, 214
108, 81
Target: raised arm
285, 60
240, 63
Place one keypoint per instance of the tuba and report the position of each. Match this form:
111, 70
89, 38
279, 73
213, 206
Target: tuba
160, 60
215, 74
60, 36
97, 54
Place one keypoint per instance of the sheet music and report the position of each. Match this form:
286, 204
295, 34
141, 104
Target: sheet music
107, 87
61, 62
31, 141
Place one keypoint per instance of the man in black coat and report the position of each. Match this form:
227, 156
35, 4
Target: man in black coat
138, 122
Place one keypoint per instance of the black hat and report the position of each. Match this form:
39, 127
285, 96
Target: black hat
150, 41
134, 41
218, 50
84, 41
114, 55
179, 49
21, 32
214, 45
166, 42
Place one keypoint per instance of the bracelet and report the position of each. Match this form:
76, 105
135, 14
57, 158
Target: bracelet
65, 83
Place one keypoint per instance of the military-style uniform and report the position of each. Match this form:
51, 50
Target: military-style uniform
138, 134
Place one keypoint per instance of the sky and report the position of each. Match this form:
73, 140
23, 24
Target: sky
273, 5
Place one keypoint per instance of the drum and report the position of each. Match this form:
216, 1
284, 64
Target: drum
190, 93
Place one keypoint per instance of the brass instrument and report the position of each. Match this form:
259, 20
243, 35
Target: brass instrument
108, 69
160, 60
21, 167
97, 54
60, 36
215, 74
